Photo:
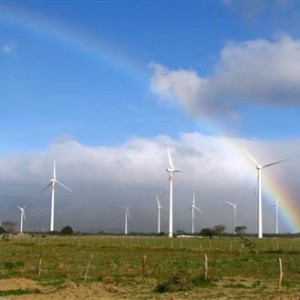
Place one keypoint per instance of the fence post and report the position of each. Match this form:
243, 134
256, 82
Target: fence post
88, 267
280, 273
205, 266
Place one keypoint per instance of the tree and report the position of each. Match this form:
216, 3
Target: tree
218, 230
240, 230
67, 230
207, 232
2, 230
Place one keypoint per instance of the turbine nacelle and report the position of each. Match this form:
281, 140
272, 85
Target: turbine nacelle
170, 170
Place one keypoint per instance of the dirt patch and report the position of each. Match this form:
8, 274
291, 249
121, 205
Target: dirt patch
18, 284
109, 290
71, 291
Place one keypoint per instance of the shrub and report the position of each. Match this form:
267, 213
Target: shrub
67, 230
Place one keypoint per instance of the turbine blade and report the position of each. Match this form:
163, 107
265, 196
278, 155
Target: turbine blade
198, 210
54, 170
274, 163
251, 157
64, 186
24, 217
230, 203
170, 159
19, 207
277, 203
24, 212
128, 213
50, 184
158, 202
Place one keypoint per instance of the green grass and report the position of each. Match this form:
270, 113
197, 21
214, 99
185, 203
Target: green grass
174, 265
19, 292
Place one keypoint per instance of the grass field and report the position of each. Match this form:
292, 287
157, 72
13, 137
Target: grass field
113, 267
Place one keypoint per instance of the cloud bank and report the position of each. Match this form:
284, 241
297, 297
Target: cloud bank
246, 73
105, 180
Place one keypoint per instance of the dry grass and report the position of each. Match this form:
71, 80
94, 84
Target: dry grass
173, 269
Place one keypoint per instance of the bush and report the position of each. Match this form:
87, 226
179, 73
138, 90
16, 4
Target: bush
183, 283
67, 230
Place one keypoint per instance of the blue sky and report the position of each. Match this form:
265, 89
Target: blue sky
106, 79
52, 86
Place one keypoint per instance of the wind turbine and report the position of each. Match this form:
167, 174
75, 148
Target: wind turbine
23, 218
159, 207
259, 168
193, 208
127, 216
234, 206
52, 184
276, 216
171, 170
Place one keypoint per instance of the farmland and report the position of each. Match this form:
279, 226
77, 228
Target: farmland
116, 267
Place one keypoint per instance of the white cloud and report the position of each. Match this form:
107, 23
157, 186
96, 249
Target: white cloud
181, 84
249, 10
252, 72
8, 48
105, 179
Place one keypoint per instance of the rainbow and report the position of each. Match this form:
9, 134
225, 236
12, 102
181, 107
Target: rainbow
110, 57
274, 189
92, 46
288, 204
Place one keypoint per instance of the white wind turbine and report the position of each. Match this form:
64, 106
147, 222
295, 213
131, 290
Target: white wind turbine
276, 216
234, 206
23, 218
127, 216
171, 170
259, 168
52, 184
193, 208
158, 207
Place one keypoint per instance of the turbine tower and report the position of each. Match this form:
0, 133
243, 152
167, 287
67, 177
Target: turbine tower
23, 218
171, 170
259, 168
234, 206
158, 207
127, 216
193, 208
276, 216
52, 184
